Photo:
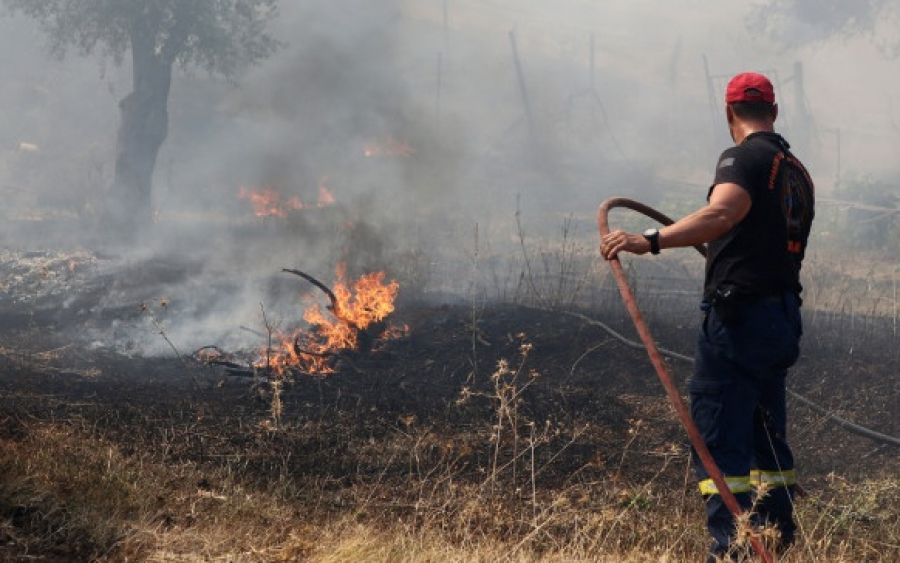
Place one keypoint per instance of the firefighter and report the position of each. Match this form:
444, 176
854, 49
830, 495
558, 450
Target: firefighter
756, 222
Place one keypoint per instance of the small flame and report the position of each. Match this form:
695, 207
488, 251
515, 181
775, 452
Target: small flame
389, 147
268, 203
360, 306
325, 196
209, 355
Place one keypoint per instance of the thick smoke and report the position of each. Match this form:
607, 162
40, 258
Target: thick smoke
432, 124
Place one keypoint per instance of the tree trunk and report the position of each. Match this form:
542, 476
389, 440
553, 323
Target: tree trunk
142, 130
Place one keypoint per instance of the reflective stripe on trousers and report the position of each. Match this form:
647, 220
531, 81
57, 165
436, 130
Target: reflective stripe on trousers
756, 480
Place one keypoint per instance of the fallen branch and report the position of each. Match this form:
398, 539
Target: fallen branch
219, 360
301, 352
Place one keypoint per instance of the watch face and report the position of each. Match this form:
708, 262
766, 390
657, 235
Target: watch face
651, 232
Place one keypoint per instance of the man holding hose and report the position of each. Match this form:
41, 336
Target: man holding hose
756, 222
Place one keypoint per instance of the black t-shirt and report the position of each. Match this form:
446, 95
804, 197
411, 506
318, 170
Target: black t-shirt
761, 255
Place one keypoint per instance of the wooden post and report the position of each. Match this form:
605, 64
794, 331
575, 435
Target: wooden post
592, 60
437, 104
673, 85
800, 109
521, 77
837, 181
446, 21
713, 104
799, 96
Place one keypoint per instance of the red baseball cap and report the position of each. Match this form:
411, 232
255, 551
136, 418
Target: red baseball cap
749, 87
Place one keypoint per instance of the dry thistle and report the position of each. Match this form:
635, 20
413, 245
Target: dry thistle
464, 395
277, 406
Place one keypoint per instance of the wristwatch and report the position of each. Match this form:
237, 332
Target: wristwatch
652, 235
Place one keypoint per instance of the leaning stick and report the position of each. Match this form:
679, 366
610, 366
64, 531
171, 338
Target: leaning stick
334, 303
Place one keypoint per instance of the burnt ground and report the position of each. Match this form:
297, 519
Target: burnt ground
574, 372
592, 405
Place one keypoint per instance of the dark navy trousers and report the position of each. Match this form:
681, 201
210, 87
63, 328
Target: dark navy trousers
737, 394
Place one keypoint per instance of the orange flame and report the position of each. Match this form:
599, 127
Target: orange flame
267, 202
359, 307
325, 197
389, 147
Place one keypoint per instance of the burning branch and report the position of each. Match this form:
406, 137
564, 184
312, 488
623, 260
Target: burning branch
359, 326
360, 311
214, 356
331, 296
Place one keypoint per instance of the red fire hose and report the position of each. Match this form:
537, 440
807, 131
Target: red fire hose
656, 358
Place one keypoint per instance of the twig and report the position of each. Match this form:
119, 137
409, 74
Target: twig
158, 324
262, 310
252, 331
521, 232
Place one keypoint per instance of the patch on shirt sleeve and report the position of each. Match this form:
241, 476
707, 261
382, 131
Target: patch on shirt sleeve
726, 162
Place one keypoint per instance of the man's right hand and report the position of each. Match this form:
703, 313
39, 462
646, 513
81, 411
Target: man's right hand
620, 241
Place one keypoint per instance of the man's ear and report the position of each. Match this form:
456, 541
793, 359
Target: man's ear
729, 114
774, 112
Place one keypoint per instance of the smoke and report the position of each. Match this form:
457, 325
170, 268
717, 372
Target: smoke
427, 122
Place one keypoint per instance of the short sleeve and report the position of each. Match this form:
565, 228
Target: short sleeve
731, 168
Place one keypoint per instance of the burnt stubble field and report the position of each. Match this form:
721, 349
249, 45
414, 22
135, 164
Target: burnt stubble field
484, 431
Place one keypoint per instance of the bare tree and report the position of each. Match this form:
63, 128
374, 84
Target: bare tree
219, 36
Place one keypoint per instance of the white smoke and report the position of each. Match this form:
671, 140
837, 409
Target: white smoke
440, 77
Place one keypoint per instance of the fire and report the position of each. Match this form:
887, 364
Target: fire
325, 197
389, 147
359, 314
268, 203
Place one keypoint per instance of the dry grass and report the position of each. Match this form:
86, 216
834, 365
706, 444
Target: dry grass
79, 496
69, 492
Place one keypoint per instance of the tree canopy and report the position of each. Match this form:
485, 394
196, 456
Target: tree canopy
219, 36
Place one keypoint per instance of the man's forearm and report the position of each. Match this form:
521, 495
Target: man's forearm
699, 227
728, 204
